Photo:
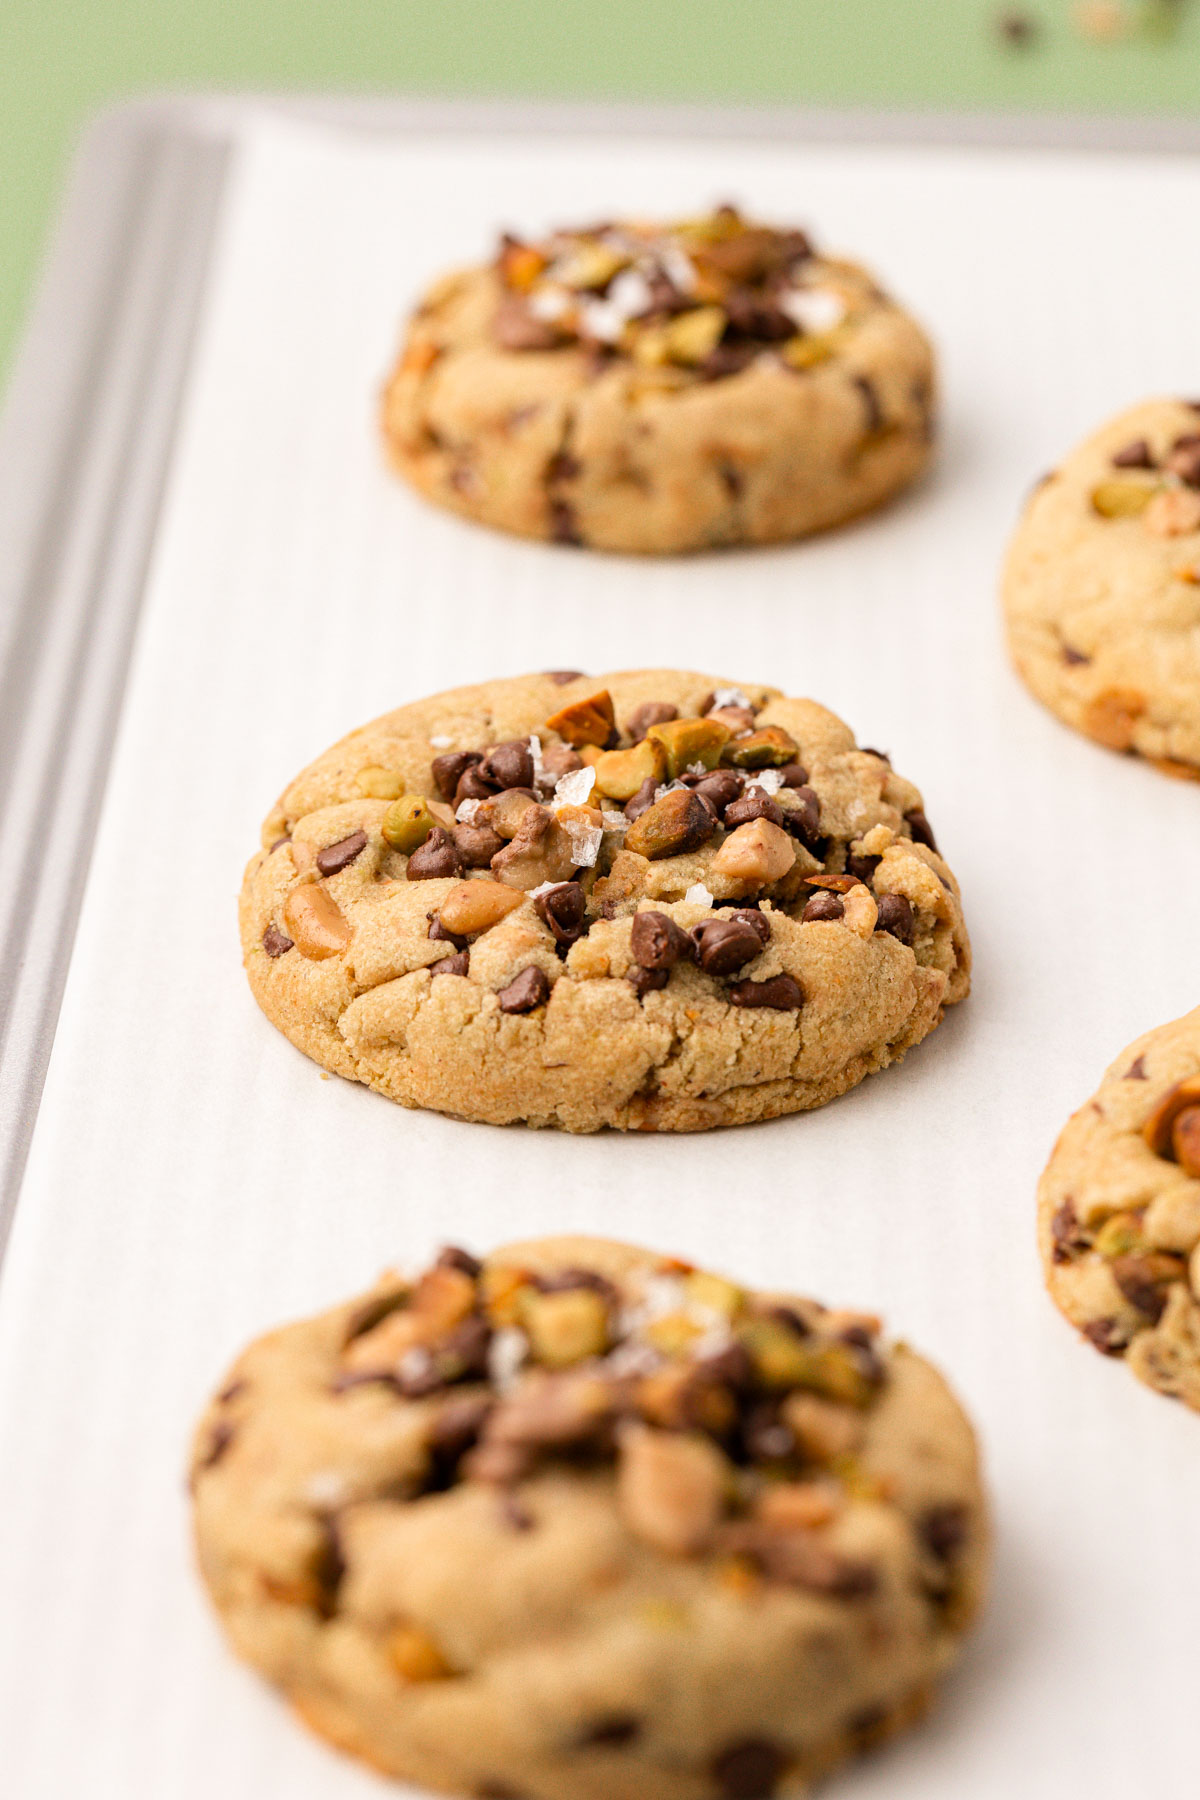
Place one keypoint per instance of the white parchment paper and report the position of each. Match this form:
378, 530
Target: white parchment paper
194, 1180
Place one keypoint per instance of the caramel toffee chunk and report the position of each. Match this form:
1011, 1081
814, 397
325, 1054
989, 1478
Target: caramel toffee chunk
1102, 588
661, 387
670, 902
580, 1519
1119, 1212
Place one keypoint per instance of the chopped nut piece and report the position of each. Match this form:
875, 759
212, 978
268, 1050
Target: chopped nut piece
771, 747
589, 721
1125, 498
620, 773
798, 1505
1173, 513
540, 851
1185, 1140
566, 1327
1113, 715
686, 742
823, 1429
676, 823
407, 823
316, 923
441, 1299
760, 853
1158, 1129
476, 906
670, 1488
379, 784
1119, 1235
651, 712
414, 1655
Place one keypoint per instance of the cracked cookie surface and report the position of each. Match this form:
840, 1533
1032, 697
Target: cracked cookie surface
582, 1522
1102, 587
1119, 1212
649, 900
648, 388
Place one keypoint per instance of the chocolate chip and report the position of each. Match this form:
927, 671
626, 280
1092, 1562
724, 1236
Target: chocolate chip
336, 857
749, 1769
452, 1256
218, 1444
1074, 657
862, 867
1184, 459
232, 1391
921, 829
515, 327
611, 1729
1134, 456
497, 1790
793, 775
871, 401
564, 528
732, 479
1108, 1336
716, 789
435, 859
1065, 1232
279, 843
731, 1367
560, 677
529, 990
565, 1281
757, 921
1137, 1070
896, 917
728, 359
869, 750
459, 964
329, 1570
765, 1437
1138, 1280
646, 981
804, 820
563, 466
563, 909
275, 942
473, 785
509, 765
437, 931
823, 906
782, 993
476, 845
725, 945
457, 1423
651, 712
448, 770
657, 941
943, 1531
754, 804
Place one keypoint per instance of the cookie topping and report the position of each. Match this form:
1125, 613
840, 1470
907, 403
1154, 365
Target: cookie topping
336, 857
275, 942
529, 990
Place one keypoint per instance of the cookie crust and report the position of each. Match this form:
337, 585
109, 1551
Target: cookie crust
650, 438
659, 1601
1119, 1212
1101, 588
606, 1039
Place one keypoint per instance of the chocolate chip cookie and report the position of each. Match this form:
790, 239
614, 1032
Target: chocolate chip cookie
1119, 1212
581, 1521
1102, 587
651, 900
654, 388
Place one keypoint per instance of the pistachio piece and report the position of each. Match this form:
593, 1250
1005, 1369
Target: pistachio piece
674, 1333
686, 742
694, 335
713, 1293
379, 784
591, 267
670, 1488
808, 349
414, 1655
1119, 1235
770, 747
565, 1327
758, 852
783, 1359
1124, 498
407, 823
589, 721
475, 906
676, 823
315, 922
1159, 1127
620, 773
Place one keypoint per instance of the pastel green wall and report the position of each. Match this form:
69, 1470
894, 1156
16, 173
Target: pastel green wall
62, 60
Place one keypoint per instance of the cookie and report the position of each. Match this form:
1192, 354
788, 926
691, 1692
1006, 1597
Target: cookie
650, 388
582, 1522
648, 900
1102, 587
1119, 1212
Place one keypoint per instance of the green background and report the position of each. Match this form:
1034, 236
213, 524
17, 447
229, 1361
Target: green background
63, 60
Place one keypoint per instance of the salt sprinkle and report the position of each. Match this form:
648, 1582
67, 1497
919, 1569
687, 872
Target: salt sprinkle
541, 779
628, 296
813, 309
546, 887
441, 743
678, 268
506, 1352
698, 895
326, 1489
549, 302
730, 697
573, 788
769, 780
468, 812
615, 821
585, 842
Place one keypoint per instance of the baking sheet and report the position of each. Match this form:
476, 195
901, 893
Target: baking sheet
193, 1179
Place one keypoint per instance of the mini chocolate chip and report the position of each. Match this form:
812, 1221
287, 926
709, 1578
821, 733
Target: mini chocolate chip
565, 1281
733, 479
448, 770
275, 942
336, 857
657, 941
476, 845
731, 1367
453, 1256
823, 906
1074, 657
457, 1422
1135, 1277
1137, 1070
862, 867
782, 993
921, 829
560, 677
646, 981
473, 785
754, 804
793, 775
1108, 1336
804, 821
943, 1531
279, 842
651, 712
610, 1729
563, 909
437, 931
458, 964
757, 920
716, 789
749, 1769
563, 466
529, 990
725, 945
1184, 459
1064, 1230
435, 859
896, 917
870, 750
1134, 456
564, 528
871, 401
643, 800
509, 765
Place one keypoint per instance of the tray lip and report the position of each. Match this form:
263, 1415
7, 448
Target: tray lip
137, 230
